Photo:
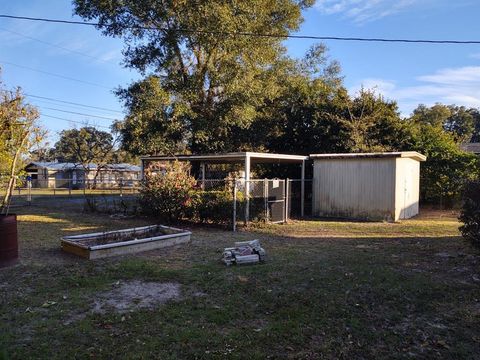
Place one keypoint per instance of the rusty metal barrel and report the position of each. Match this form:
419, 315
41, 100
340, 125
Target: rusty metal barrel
8, 240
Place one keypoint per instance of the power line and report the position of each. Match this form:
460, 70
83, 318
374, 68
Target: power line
73, 121
264, 35
73, 103
44, 103
53, 74
78, 113
53, 45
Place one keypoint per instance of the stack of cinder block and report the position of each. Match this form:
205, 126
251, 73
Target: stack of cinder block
244, 252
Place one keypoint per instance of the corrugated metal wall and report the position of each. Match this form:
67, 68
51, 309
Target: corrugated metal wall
362, 188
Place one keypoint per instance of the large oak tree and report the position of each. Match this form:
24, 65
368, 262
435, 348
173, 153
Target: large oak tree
204, 81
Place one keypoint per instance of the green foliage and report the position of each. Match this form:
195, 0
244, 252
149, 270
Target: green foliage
447, 168
84, 146
459, 121
476, 128
470, 214
155, 123
314, 117
214, 206
19, 132
167, 191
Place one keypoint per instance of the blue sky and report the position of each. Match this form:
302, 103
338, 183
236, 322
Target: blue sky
408, 73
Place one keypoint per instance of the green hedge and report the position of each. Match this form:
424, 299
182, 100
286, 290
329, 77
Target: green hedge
214, 206
217, 207
470, 214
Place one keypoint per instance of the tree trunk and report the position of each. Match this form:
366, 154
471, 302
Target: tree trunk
11, 184
12, 181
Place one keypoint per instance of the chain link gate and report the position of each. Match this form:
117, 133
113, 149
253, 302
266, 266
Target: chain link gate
275, 201
260, 200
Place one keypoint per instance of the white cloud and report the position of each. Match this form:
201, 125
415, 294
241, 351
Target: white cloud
362, 11
460, 86
464, 75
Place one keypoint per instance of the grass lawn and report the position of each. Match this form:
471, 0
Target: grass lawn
346, 290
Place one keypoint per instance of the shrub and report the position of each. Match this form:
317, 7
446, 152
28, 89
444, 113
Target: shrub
217, 207
470, 214
443, 175
256, 209
214, 206
167, 190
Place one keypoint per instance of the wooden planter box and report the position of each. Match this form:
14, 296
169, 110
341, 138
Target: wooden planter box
121, 242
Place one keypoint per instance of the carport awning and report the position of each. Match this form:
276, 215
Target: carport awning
237, 157
247, 158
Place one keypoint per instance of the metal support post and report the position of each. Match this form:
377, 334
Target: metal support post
287, 197
234, 223
202, 175
247, 189
265, 196
302, 191
29, 194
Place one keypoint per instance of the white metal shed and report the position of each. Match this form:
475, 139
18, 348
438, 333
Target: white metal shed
370, 186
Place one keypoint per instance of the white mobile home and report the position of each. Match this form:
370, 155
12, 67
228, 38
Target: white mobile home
370, 186
70, 175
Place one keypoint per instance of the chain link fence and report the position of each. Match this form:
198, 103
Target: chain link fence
74, 194
225, 201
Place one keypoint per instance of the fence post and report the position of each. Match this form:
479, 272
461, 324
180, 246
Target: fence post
265, 198
234, 223
29, 189
302, 191
202, 175
247, 189
287, 198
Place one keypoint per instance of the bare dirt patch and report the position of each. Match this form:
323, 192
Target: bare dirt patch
133, 295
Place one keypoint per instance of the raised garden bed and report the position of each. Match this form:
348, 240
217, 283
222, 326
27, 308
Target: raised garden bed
121, 242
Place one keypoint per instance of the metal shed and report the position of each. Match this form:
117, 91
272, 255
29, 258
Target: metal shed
369, 186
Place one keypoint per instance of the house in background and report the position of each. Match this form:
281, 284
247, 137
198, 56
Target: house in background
473, 147
71, 175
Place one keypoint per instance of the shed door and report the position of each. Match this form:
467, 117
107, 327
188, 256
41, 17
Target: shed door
409, 201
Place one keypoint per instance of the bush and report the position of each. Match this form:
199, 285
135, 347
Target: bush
167, 190
470, 214
217, 207
214, 206
443, 175
256, 209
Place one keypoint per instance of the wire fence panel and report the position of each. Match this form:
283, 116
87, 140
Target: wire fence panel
295, 198
276, 202
78, 195
257, 200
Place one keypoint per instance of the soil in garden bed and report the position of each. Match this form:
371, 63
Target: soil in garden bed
123, 236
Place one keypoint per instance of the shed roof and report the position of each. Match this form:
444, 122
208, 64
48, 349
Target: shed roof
255, 157
52, 165
403, 154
